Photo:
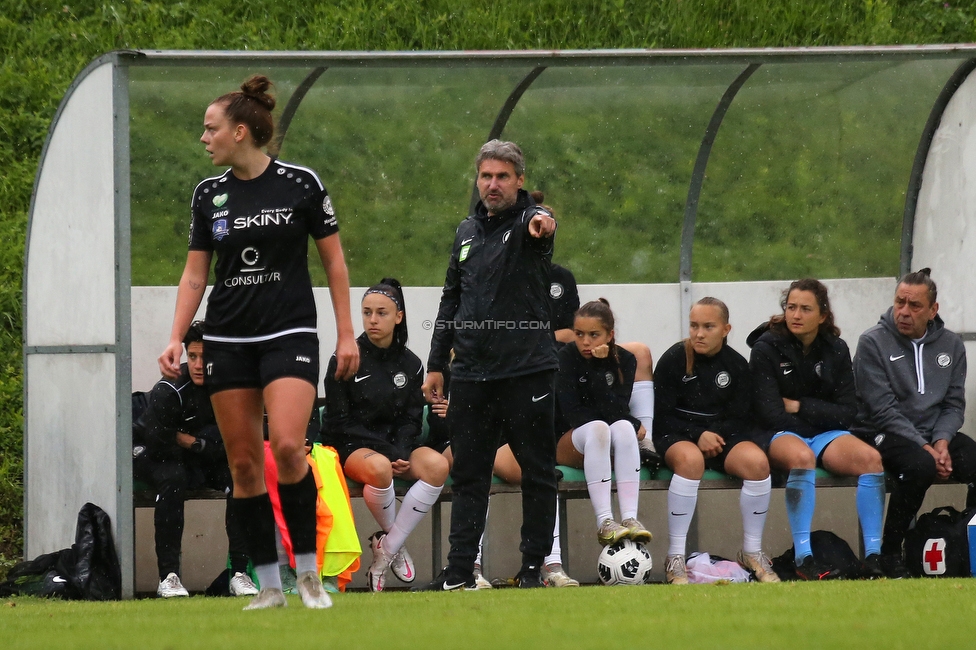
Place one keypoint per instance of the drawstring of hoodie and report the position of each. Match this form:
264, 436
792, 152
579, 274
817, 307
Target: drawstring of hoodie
918, 367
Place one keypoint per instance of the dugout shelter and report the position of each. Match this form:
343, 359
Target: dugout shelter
675, 174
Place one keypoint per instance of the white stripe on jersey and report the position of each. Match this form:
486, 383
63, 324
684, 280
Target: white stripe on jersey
304, 170
258, 339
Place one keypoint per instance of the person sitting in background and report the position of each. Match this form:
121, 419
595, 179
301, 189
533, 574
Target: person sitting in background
593, 391
805, 392
374, 421
910, 373
177, 447
704, 420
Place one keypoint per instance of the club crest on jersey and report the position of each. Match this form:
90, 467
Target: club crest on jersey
943, 360
327, 206
609, 377
556, 290
818, 368
722, 379
220, 199
399, 380
220, 229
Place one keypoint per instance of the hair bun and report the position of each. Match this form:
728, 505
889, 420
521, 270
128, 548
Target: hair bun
926, 271
256, 87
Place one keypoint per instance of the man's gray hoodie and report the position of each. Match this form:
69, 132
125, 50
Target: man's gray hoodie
914, 389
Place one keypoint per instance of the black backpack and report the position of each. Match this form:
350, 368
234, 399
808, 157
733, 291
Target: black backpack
828, 549
938, 545
89, 570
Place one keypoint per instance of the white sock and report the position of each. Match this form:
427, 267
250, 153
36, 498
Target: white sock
626, 462
593, 441
642, 408
754, 504
416, 503
381, 502
556, 554
682, 499
305, 562
268, 576
481, 540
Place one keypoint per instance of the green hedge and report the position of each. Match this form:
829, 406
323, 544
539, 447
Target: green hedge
45, 44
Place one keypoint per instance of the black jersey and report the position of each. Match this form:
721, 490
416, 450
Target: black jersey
822, 380
177, 405
494, 309
591, 389
259, 230
381, 405
717, 396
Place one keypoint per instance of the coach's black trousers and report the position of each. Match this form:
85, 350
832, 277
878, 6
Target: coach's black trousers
518, 411
914, 471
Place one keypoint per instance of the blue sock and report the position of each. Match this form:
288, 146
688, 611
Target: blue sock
801, 499
870, 509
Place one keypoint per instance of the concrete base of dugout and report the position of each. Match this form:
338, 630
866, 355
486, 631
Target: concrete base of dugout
719, 531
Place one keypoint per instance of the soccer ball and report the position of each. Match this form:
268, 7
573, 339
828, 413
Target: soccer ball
625, 563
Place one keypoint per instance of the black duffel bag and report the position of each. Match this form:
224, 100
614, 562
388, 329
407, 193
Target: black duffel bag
937, 546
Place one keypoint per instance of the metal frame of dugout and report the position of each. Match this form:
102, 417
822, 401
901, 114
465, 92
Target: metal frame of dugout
78, 275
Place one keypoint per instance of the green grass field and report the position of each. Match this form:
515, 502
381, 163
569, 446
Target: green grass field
887, 614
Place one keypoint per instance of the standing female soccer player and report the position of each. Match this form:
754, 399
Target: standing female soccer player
703, 395
593, 388
261, 353
805, 392
374, 422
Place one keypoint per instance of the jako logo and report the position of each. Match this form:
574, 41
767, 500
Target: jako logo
303, 359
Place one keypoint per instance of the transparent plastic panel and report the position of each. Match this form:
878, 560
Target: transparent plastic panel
613, 149
394, 146
809, 171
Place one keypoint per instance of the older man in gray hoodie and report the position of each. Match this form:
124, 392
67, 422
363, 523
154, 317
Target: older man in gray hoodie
910, 373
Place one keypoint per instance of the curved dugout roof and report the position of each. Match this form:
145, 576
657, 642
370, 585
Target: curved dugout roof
666, 166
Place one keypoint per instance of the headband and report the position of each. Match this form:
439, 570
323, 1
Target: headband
389, 295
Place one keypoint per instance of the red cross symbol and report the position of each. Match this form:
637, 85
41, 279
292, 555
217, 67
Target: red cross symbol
934, 558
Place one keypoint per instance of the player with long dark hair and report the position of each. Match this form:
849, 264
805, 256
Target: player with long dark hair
262, 352
805, 392
593, 389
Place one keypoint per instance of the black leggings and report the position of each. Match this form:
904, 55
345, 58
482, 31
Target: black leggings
914, 471
520, 409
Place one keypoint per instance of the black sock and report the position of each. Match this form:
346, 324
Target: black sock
298, 507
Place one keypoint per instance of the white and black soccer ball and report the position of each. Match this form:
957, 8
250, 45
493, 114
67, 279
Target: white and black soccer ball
625, 563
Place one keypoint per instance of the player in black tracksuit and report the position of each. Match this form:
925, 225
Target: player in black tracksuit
494, 312
374, 421
177, 447
593, 389
805, 393
703, 398
262, 353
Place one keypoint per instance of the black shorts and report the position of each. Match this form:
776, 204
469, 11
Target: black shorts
716, 463
255, 365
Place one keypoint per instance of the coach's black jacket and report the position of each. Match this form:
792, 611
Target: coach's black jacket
178, 405
494, 310
716, 397
822, 380
592, 389
381, 406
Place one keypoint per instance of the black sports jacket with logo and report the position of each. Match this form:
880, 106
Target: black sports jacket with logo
381, 407
716, 397
259, 230
822, 380
494, 309
591, 389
